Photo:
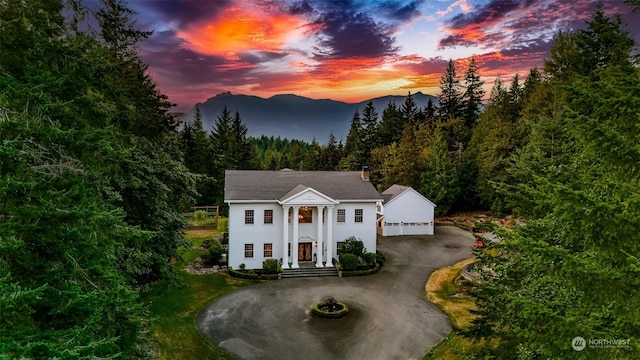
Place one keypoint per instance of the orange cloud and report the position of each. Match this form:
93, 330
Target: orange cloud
242, 29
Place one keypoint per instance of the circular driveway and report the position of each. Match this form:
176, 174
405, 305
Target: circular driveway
389, 318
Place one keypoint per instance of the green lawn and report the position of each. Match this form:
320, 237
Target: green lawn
440, 286
173, 309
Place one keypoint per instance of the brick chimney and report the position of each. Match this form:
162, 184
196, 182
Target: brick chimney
364, 174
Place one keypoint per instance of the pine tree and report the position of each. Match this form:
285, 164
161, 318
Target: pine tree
353, 153
439, 178
390, 128
472, 96
369, 132
409, 111
450, 97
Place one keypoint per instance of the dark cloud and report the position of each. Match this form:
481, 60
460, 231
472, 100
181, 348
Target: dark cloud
184, 11
346, 30
168, 58
400, 11
491, 13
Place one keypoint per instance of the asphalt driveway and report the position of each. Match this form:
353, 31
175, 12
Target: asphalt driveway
389, 318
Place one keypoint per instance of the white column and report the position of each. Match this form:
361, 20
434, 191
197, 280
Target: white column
294, 247
285, 237
329, 236
319, 248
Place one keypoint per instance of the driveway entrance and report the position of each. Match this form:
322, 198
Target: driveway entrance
390, 317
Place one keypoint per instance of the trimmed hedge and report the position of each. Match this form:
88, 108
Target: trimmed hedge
330, 315
251, 275
242, 275
270, 266
349, 261
362, 272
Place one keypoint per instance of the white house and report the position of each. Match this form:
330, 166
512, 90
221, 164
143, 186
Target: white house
297, 216
405, 212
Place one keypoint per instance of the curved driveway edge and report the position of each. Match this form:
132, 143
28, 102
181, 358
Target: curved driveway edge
389, 318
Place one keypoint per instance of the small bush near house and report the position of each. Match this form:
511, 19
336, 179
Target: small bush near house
349, 261
369, 258
214, 254
270, 266
354, 246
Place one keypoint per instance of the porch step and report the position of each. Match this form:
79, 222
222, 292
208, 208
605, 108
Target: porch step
309, 272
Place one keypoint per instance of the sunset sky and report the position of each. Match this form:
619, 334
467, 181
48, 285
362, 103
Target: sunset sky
347, 50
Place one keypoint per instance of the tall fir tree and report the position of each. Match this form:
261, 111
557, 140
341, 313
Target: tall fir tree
450, 97
353, 153
472, 96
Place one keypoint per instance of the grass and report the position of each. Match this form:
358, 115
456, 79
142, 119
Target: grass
440, 286
173, 309
197, 237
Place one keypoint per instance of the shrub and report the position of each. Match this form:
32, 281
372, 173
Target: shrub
349, 261
243, 267
353, 246
369, 258
242, 275
214, 254
270, 266
199, 217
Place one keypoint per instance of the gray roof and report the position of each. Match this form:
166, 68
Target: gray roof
393, 191
274, 185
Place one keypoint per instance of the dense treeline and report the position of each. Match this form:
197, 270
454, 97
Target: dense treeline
90, 188
569, 165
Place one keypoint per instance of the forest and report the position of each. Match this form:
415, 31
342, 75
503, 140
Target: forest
95, 172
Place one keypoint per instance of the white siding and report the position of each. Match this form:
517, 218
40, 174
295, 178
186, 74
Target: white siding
365, 231
259, 233
408, 214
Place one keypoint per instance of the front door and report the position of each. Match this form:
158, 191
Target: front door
304, 252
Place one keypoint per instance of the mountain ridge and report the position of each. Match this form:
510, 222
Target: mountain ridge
293, 116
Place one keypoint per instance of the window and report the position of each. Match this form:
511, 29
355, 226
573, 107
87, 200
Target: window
248, 217
341, 215
358, 216
268, 250
268, 216
248, 251
340, 246
305, 215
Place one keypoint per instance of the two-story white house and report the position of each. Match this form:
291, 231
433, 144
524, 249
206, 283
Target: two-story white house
297, 216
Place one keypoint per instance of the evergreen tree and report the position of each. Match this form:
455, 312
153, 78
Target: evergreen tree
369, 131
86, 149
439, 179
576, 256
197, 145
353, 154
450, 97
331, 154
409, 111
408, 163
391, 126
472, 96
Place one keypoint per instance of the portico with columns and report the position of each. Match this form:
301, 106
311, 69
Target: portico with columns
317, 230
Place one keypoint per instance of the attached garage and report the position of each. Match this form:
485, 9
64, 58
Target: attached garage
405, 212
